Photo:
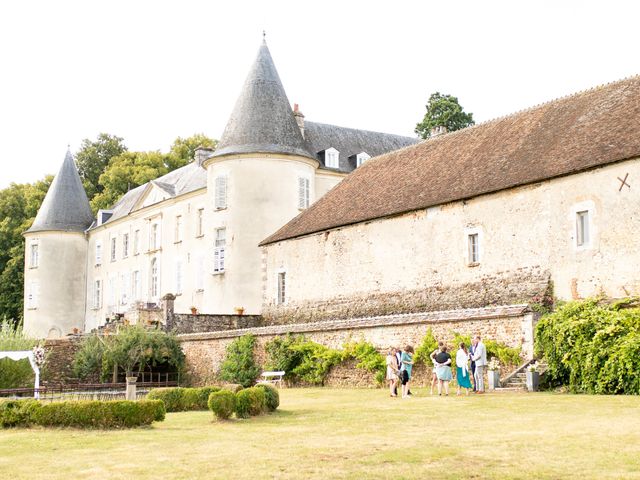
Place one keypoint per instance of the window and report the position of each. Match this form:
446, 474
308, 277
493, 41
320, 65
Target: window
125, 245
303, 192
361, 158
33, 292
135, 285
200, 274
136, 242
281, 288
154, 239
178, 277
125, 287
113, 248
178, 230
582, 228
154, 287
331, 158
97, 294
33, 255
474, 248
219, 248
199, 220
98, 253
221, 192
112, 292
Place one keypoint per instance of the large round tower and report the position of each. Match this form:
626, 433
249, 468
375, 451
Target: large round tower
56, 257
260, 176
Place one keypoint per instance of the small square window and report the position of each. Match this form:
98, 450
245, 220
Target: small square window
282, 285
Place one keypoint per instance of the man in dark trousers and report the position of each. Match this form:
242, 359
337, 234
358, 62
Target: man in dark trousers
472, 350
398, 355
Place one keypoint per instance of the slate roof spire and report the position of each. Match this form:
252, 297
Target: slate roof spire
65, 207
262, 120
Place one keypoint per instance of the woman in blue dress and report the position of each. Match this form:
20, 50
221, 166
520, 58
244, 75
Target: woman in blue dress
462, 369
443, 370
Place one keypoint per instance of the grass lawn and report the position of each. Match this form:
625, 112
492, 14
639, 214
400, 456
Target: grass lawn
325, 433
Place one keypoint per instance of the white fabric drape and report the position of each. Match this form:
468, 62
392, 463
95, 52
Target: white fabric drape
20, 355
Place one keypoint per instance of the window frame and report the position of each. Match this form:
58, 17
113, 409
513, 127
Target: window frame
200, 222
304, 193
583, 229
178, 229
113, 241
34, 254
219, 250
221, 191
333, 155
125, 245
281, 287
98, 252
471, 233
361, 158
97, 294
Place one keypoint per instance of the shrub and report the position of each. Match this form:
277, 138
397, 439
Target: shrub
428, 345
239, 365
592, 347
232, 387
173, 398
81, 414
222, 403
250, 401
368, 358
15, 374
282, 356
87, 361
203, 394
271, 395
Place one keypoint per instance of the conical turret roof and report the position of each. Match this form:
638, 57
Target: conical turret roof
65, 207
262, 120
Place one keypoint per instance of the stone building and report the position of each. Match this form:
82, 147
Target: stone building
541, 203
195, 231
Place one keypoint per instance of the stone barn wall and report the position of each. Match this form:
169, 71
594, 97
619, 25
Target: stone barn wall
512, 325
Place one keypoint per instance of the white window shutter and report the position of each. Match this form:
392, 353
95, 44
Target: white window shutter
301, 200
221, 192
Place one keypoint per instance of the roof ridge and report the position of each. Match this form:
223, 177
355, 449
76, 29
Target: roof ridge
361, 129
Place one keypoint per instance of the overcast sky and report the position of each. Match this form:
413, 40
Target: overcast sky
150, 71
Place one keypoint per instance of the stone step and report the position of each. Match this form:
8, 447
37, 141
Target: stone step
510, 389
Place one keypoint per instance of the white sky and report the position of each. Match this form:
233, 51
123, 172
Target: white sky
150, 71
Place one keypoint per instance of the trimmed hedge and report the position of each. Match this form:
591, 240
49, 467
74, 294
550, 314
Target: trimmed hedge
222, 404
81, 414
250, 402
271, 395
181, 399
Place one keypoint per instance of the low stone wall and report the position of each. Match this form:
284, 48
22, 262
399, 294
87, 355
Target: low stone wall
58, 368
199, 323
512, 325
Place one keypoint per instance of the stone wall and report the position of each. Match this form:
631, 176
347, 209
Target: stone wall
512, 325
181, 323
58, 368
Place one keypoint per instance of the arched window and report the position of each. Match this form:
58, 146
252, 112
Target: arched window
155, 279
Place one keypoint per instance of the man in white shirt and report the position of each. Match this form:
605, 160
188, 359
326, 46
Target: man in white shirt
480, 357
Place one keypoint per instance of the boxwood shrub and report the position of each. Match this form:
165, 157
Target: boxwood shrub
249, 402
222, 403
81, 414
272, 397
180, 399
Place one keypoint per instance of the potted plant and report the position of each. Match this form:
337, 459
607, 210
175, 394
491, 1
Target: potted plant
194, 310
239, 310
533, 377
493, 373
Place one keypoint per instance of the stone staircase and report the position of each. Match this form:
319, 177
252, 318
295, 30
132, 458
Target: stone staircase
517, 381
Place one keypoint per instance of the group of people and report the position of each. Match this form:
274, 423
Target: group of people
470, 363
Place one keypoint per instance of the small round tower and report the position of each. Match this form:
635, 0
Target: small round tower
56, 258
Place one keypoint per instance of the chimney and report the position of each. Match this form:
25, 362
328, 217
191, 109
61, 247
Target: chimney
299, 118
201, 154
437, 131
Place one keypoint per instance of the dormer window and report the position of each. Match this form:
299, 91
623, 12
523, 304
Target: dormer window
361, 158
331, 158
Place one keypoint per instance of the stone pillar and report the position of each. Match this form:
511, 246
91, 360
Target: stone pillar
167, 311
131, 393
528, 330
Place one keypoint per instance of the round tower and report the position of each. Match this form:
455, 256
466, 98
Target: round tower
56, 258
261, 176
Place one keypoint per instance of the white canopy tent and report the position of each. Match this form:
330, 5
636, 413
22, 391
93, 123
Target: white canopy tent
22, 354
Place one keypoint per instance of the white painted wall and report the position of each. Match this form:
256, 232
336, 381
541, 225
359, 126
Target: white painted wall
531, 226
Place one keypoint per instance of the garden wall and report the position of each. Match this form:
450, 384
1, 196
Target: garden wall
511, 325
58, 368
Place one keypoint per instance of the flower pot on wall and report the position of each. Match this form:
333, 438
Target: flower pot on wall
239, 310
533, 381
194, 311
494, 379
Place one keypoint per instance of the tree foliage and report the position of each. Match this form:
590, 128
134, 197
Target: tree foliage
239, 365
94, 156
443, 111
15, 374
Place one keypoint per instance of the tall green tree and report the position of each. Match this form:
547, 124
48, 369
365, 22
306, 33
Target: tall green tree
94, 156
443, 111
184, 149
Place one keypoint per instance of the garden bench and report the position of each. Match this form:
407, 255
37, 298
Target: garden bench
271, 377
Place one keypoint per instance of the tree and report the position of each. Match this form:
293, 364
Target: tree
93, 157
184, 149
443, 111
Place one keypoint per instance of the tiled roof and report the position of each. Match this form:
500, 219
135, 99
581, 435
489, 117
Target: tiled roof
350, 141
575, 133
65, 207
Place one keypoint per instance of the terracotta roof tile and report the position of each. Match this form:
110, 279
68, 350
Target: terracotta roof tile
575, 133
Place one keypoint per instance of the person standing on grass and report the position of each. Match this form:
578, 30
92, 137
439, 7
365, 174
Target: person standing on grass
434, 375
472, 351
407, 365
462, 372
443, 370
392, 372
480, 357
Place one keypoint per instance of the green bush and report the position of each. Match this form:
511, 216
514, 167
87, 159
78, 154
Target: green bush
249, 402
87, 361
239, 365
179, 399
592, 347
282, 356
368, 358
81, 414
426, 347
15, 374
272, 397
232, 387
203, 394
222, 403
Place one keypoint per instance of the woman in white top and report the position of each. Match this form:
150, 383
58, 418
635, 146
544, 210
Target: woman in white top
392, 372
